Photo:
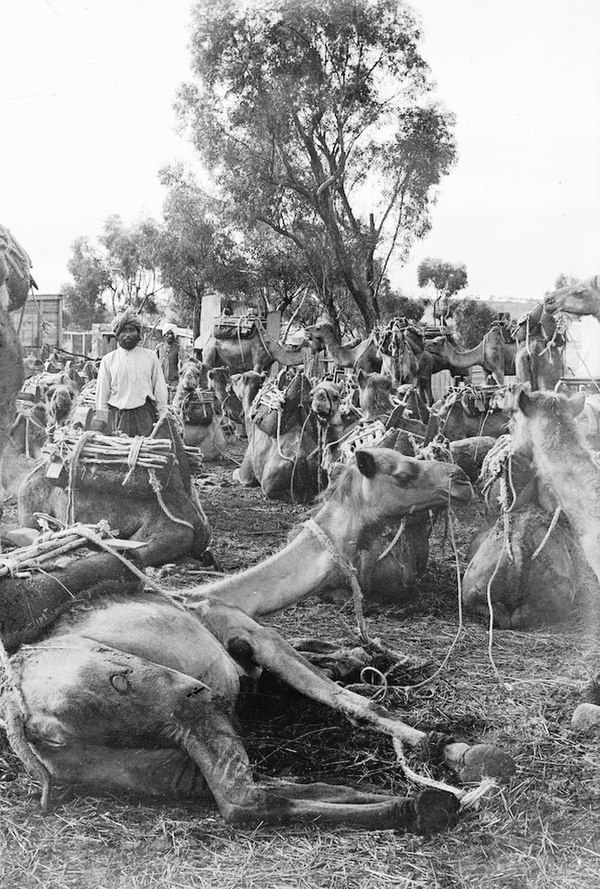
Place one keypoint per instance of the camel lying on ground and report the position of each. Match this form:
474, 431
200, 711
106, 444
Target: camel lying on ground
15, 284
160, 512
219, 380
136, 692
286, 463
527, 564
468, 412
194, 406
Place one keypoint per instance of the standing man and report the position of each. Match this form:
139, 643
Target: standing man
131, 393
168, 355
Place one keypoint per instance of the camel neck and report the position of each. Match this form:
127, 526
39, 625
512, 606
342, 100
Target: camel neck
300, 568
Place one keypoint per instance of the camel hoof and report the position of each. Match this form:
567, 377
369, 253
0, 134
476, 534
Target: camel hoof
586, 717
431, 811
479, 761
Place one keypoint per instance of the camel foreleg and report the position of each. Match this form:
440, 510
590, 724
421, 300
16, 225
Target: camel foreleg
251, 644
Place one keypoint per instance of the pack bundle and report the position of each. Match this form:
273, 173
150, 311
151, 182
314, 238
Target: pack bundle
198, 407
275, 408
110, 462
232, 327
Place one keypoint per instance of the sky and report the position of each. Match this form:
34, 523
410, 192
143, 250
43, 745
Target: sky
87, 120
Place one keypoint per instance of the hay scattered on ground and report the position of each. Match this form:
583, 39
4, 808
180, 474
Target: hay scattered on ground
542, 832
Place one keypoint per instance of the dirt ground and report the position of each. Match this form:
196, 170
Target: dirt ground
515, 689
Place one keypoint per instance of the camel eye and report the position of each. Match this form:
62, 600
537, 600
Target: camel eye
119, 683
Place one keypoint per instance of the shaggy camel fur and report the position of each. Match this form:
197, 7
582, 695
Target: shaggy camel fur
136, 692
546, 424
582, 298
363, 356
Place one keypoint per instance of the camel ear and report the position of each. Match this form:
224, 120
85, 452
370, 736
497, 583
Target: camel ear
361, 378
366, 462
577, 403
525, 403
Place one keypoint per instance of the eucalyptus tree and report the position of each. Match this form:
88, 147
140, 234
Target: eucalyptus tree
318, 121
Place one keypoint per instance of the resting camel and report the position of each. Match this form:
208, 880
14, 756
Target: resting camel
363, 356
15, 284
193, 405
525, 562
219, 380
545, 423
582, 298
136, 692
400, 359
285, 465
466, 413
256, 352
161, 513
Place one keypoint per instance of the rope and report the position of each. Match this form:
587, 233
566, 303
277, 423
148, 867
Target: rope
391, 545
348, 571
72, 475
155, 483
551, 528
134, 453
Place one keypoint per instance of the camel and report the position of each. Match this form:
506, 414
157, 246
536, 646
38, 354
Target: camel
546, 424
363, 356
219, 380
285, 465
399, 358
256, 352
193, 405
582, 298
489, 353
160, 514
467, 413
136, 692
15, 284
527, 562
376, 401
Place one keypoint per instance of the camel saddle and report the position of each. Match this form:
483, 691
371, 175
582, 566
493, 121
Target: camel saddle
232, 327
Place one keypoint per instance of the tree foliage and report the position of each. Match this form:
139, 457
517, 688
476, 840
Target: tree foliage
83, 305
447, 279
317, 119
194, 249
471, 320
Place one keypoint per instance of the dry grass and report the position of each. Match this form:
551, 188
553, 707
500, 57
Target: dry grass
542, 832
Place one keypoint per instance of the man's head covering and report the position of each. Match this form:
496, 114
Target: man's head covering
127, 316
169, 328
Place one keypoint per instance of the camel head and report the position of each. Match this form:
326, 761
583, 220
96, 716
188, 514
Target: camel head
319, 336
540, 415
437, 345
383, 485
96, 694
374, 393
582, 298
326, 403
246, 386
191, 376
59, 399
